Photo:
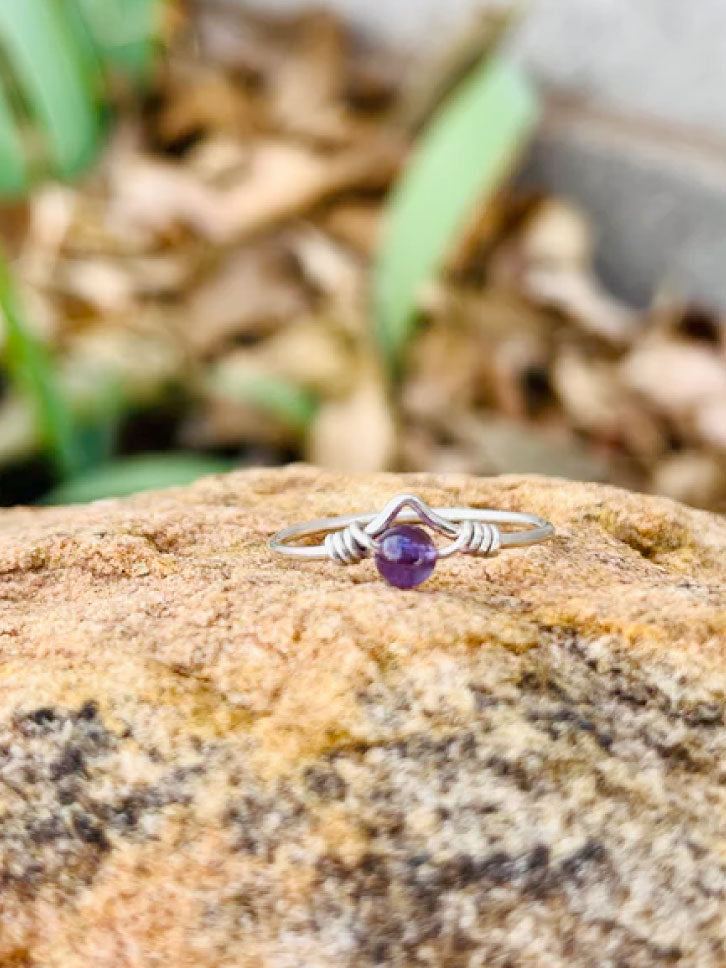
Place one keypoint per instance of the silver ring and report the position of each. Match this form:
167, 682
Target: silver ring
406, 555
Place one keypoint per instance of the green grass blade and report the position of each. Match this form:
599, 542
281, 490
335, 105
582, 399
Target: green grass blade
89, 54
13, 168
31, 370
97, 432
124, 31
40, 47
463, 157
145, 472
292, 405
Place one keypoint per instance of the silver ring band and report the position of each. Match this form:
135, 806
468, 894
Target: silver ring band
351, 537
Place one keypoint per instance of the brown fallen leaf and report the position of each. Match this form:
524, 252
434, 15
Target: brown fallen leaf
588, 389
439, 458
336, 274
306, 354
596, 401
580, 296
250, 45
136, 363
305, 91
443, 372
310, 353
251, 293
356, 224
500, 445
219, 160
711, 422
675, 377
281, 180
103, 284
200, 100
557, 235
219, 421
693, 478
51, 214
19, 431
356, 433
549, 260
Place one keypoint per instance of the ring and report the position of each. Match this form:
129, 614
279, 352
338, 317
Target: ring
405, 555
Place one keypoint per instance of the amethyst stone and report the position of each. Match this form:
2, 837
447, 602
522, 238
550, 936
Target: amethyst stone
407, 556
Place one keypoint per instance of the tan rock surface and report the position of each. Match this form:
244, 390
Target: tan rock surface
210, 757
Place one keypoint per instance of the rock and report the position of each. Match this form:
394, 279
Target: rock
210, 757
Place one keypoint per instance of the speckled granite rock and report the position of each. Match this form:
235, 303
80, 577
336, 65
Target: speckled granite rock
212, 758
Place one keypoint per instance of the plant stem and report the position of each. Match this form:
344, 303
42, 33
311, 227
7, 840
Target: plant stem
31, 369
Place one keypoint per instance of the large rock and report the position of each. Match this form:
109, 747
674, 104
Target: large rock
210, 757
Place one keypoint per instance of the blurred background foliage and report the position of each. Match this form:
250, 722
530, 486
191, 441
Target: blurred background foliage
238, 238
59, 62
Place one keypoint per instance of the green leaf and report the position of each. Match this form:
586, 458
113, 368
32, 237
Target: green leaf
99, 409
463, 157
145, 472
88, 52
13, 169
290, 404
41, 49
31, 370
97, 439
124, 31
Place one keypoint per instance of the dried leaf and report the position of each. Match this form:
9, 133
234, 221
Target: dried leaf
675, 377
711, 422
309, 353
253, 292
443, 372
280, 181
578, 295
596, 401
357, 225
508, 446
140, 364
101, 283
305, 89
692, 477
334, 273
356, 433
19, 432
557, 235
204, 100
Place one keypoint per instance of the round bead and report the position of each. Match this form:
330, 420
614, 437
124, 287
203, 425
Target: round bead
407, 556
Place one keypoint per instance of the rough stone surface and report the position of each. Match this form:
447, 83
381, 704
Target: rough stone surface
211, 757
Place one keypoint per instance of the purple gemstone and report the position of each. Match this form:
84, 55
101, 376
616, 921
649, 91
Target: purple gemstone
407, 556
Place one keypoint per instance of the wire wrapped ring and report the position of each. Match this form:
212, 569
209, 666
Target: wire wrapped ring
405, 555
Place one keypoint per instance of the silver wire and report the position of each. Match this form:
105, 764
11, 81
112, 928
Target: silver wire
473, 531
